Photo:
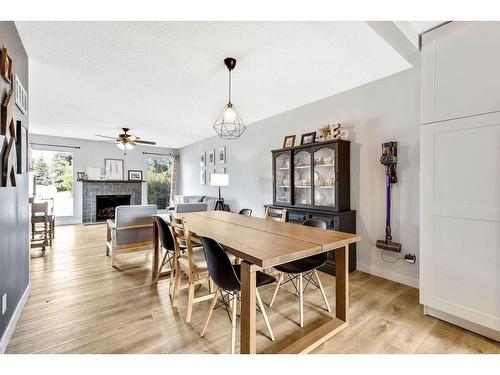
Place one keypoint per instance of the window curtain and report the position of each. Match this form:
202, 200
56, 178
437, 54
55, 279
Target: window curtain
175, 177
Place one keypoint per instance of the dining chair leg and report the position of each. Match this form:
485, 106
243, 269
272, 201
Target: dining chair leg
172, 279
322, 291
210, 285
177, 284
189, 309
264, 315
280, 280
210, 311
301, 300
233, 323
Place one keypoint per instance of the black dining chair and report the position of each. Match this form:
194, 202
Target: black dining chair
227, 278
167, 243
245, 211
298, 270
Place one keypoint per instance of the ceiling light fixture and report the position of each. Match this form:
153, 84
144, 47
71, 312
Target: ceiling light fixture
229, 124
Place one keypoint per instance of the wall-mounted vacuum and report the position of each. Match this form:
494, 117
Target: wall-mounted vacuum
389, 159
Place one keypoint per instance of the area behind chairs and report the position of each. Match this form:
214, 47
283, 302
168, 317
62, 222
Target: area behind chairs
300, 269
227, 278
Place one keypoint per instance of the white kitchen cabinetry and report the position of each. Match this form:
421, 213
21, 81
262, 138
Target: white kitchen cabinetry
460, 191
460, 65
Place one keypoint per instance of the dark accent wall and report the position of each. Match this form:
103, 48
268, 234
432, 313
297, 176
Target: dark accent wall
14, 220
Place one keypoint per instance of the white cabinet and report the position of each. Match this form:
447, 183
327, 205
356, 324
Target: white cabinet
460, 65
460, 178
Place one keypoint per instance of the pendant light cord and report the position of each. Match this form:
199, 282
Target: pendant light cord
229, 86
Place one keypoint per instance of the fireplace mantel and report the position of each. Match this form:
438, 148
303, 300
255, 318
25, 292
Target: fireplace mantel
112, 181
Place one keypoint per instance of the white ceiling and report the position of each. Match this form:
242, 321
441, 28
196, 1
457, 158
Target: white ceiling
167, 81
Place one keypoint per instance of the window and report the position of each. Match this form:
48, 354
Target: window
53, 172
159, 178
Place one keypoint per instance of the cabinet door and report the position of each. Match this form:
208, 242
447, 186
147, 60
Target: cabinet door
324, 181
282, 178
459, 71
460, 218
302, 178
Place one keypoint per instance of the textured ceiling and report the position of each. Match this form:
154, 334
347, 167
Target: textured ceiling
167, 81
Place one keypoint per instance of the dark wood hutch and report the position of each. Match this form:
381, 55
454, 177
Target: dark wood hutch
313, 181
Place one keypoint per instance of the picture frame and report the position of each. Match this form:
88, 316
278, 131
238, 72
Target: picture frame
134, 175
220, 170
221, 155
81, 176
114, 169
22, 148
308, 138
203, 174
6, 66
21, 96
289, 141
203, 159
211, 157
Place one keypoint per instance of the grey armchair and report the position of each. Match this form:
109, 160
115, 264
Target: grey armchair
131, 231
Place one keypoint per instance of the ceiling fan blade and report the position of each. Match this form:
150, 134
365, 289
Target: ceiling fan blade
132, 137
145, 142
105, 136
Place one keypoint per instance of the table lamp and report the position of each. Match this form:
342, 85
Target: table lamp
219, 179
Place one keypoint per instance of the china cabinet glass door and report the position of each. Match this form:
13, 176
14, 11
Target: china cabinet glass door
302, 178
324, 177
282, 178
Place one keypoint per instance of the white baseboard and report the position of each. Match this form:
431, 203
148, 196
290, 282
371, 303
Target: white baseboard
479, 329
4, 341
390, 275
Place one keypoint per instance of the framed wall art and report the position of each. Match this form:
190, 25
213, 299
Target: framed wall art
203, 174
221, 155
134, 175
114, 169
22, 148
21, 95
203, 159
211, 157
308, 138
6, 65
289, 141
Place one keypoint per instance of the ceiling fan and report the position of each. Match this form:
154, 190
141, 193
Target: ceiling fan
126, 141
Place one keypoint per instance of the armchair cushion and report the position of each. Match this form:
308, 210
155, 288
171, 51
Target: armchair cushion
133, 223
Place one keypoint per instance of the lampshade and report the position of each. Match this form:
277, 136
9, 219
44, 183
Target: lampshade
121, 146
219, 179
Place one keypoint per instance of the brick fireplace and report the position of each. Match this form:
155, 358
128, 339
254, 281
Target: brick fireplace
107, 194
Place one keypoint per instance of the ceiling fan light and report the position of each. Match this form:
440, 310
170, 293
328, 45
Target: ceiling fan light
120, 145
129, 146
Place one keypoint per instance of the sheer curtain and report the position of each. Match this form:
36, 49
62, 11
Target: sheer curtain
175, 176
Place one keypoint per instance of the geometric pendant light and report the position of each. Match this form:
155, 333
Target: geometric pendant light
229, 124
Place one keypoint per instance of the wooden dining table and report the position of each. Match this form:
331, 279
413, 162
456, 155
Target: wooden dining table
261, 243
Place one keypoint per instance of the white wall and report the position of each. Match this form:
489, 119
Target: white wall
92, 154
384, 110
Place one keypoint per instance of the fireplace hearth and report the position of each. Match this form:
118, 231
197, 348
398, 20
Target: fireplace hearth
106, 204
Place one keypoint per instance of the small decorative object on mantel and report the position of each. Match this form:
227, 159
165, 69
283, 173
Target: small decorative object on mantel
6, 66
21, 95
336, 130
203, 159
221, 155
114, 169
289, 141
134, 175
81, 176
308, 138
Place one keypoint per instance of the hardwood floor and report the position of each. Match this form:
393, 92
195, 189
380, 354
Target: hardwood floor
80, 304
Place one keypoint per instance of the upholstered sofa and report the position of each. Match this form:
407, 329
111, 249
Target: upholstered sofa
193, 203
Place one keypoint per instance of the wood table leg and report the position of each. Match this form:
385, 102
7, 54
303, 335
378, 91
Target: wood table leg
156, 250
342, 283
247, 326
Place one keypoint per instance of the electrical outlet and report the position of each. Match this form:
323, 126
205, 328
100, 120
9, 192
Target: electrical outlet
4, 303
